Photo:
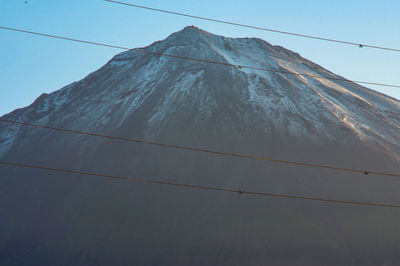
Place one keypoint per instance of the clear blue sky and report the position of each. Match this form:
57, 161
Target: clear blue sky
31, 65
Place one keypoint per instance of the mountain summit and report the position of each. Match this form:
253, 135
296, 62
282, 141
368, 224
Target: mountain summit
62, 219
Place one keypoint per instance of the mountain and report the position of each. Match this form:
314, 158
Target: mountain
64, 219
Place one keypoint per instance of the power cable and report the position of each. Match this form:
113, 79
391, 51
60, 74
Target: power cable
199, 187
197, 59
361, 45
181, 147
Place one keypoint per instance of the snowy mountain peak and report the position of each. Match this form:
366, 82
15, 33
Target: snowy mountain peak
162, 90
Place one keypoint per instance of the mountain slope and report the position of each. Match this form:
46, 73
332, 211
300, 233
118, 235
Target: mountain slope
81, 220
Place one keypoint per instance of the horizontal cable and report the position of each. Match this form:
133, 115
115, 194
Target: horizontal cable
199, 60
256, 27
246, 156
200, 187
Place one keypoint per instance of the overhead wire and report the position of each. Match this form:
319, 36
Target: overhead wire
196, 149
361, 45
199, 187
198, 59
